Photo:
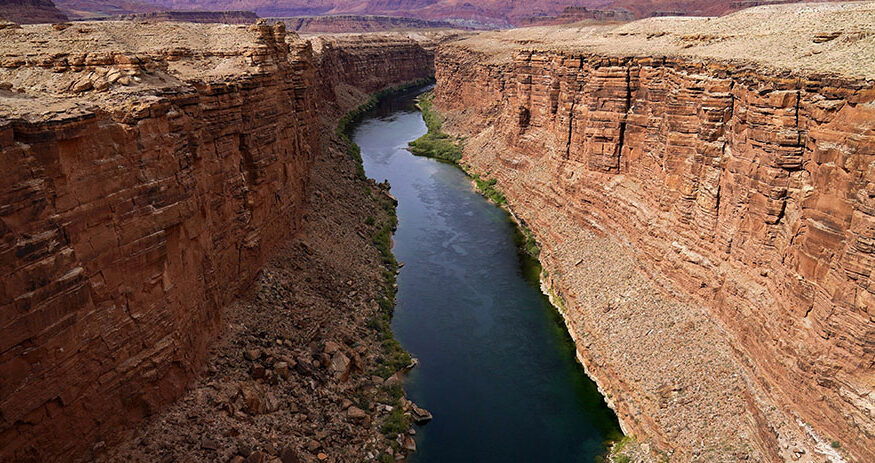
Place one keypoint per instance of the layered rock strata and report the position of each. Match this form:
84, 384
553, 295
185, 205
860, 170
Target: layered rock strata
154, 168
704, 195
348, 64
359, 23
224, 17
31, 11
573, 14
148, 178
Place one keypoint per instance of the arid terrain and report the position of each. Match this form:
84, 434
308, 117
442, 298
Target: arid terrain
159, 170
702, 190
194, 268
482, 14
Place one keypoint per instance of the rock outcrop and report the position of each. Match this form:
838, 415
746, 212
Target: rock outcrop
149, 178
732, 169
145, 186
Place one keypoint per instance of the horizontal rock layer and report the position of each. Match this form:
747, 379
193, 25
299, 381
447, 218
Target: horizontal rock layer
145, 188
746, 190
225, 17
122, 234
348, 64
359, 23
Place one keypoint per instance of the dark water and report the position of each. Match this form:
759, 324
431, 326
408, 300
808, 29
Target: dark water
497, 369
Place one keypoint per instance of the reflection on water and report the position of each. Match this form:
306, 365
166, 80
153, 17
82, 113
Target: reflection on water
497, 368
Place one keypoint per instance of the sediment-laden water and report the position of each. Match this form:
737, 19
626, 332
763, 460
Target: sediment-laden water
497, 369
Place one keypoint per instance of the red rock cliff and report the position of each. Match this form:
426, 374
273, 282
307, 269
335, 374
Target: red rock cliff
348, 64
744, 190
126, 225
148, 180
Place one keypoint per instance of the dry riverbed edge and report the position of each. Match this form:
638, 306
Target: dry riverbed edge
307, 368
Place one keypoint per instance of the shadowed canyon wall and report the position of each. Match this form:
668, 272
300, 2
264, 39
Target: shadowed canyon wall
144, 189
752, 189
349, 64
30, 11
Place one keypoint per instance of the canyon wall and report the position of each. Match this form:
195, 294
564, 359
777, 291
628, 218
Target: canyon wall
148, 180
126, 225
359, 23
745, 191
349, 64
225, 17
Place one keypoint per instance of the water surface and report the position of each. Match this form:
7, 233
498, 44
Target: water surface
497, 369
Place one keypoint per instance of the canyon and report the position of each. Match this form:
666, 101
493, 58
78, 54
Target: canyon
154, 168
188, 251
484, 14
703, 192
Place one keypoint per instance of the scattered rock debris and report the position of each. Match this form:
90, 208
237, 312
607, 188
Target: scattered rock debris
292, 379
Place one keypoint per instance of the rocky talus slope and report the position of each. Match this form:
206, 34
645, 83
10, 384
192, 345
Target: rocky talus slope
152, 170
704, 193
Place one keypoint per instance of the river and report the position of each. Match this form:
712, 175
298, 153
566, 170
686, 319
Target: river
497, 368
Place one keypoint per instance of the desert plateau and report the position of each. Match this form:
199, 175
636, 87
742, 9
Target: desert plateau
434, 231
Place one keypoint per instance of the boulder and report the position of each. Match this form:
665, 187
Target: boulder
419, 414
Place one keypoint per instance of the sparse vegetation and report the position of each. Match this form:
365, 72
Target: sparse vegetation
835, 444
392, 357
347, 122
396, 423
487, 188
526, 241
619, 452
435, 143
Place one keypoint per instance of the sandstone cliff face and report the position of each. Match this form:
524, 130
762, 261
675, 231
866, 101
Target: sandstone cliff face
349, 64
125, 226
149, 179
743, 188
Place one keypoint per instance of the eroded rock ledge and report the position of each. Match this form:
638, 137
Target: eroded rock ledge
151, 171
704, 191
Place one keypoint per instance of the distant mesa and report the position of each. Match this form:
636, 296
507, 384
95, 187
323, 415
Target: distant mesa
30, 11
480, 14
92, 9
226, 17
362, 23
364, 15
574, 14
